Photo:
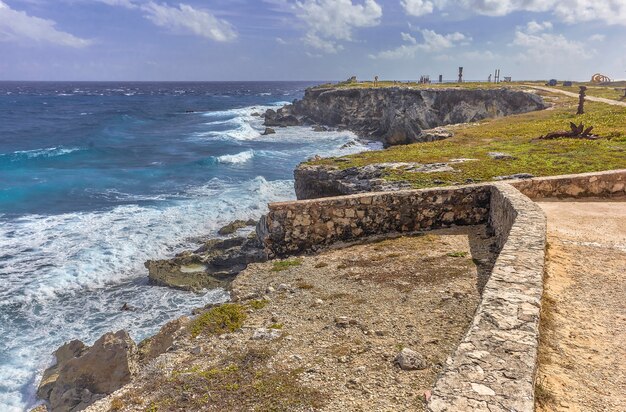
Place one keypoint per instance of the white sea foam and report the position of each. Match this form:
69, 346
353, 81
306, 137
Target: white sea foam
47, 152
95, 261
237, 158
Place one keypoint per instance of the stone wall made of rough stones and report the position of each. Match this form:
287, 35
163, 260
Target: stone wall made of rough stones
309, 225
596, 184
493, 368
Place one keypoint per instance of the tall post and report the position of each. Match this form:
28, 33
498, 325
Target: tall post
581, 100
441, 79
460, 75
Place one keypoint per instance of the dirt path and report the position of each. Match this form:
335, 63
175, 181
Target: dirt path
590, 98
582, 356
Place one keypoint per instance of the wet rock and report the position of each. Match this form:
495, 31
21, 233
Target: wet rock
235, 225
255, 114
84, 374
409, 360
212, 265
318, 128
268, 130
281, 118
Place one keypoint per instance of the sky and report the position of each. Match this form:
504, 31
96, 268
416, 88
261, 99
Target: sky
216, 40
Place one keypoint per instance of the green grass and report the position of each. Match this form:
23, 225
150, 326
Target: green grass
515, 135
281, 265
386, 83
219, 320
242, 381
258, 304
456, 254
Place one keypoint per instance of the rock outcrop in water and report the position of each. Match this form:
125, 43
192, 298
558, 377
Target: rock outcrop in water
85, 374
213, 265
397, 115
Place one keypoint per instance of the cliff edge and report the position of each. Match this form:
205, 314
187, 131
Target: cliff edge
397, 115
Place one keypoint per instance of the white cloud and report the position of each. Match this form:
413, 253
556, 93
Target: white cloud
408, 38
186, 19
129, 4
597, 37
324, 45
418, 7
548, 47
331, 20
534, 27
433, 42
18, 26
569, 11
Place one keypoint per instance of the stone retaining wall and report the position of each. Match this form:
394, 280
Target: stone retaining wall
596, 184
309, 225
493, 369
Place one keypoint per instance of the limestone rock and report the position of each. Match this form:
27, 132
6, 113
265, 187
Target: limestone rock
83, 374
282, 118
515, 176
265, 334
500, 156
235, 225
212, 265
409, 360
160, 343
398, 115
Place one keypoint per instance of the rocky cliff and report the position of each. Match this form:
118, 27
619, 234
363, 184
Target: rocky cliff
396, 115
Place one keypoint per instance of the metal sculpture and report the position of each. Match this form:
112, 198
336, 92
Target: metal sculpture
600, 78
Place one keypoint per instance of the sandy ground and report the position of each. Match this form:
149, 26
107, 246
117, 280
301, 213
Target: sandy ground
340, 318
582, 356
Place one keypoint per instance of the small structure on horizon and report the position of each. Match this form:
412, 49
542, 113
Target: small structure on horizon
424, 79
496, 77
441, 78
600, 78
460, 74
375, 80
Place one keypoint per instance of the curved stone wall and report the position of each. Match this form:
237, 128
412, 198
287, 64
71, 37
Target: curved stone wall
493, 368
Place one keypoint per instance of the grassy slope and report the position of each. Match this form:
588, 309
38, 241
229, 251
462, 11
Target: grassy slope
514, 135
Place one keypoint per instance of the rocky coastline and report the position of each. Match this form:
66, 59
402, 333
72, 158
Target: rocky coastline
397, 115
393, 116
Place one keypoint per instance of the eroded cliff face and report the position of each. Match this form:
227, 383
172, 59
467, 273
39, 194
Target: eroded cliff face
398, 115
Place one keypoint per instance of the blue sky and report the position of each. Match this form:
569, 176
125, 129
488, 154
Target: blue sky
310, 39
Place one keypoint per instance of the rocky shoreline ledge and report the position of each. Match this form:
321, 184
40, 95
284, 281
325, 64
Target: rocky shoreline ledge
399, 115
84, 374
313, 333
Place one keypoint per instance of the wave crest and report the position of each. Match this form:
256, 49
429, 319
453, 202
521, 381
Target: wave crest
236, 158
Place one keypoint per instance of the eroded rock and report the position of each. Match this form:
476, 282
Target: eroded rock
399, 115
84, 374
212, 265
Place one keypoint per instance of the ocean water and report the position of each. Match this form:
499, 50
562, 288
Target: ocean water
96, 178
